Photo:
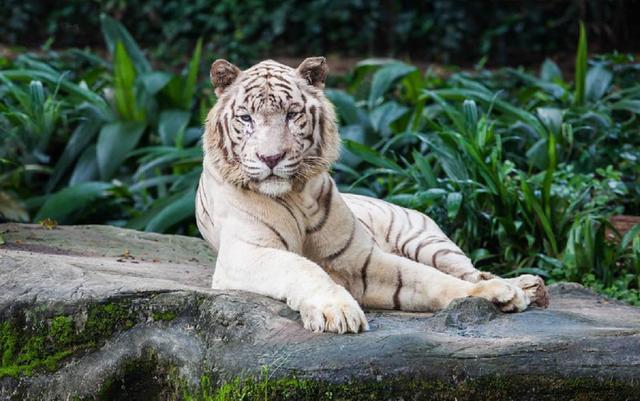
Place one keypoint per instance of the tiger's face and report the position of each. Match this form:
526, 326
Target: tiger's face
272, 127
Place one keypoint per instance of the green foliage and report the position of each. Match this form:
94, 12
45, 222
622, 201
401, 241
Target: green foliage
32, 342
268, 387
244, 31
110, 111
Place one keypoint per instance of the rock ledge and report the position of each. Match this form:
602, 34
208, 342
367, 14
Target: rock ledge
97, 312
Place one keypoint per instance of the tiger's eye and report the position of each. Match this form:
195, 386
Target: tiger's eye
246, 118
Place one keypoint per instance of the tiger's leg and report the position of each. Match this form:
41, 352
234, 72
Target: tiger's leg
389, 281
380, 279
244, 264
415, 236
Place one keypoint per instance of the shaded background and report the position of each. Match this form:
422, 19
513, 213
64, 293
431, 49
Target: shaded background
461, 32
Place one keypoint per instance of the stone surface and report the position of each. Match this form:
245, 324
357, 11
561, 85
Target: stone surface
154, 288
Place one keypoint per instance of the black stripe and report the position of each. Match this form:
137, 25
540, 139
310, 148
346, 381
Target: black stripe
346, 246
395, 245
363, 271
327, 210
220, 142
204, 207
318, 207
279, 78
427, 242
406, 213
252, 80
390, 226
287, 88
364, 223
443, 252
425, 222
269, 226
312, 110
284, 204
404, 245
321, 128
396, 295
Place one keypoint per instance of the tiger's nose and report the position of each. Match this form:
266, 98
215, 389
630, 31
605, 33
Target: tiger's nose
271, 161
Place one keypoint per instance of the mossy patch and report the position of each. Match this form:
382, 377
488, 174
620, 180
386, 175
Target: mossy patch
165, 316
33, 341
488, 388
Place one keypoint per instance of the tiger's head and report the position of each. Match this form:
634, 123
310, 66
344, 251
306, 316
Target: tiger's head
272, 128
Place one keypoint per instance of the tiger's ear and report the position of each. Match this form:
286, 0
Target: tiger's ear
314, 70
222, 74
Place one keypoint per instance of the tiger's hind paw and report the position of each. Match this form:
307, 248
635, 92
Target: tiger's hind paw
507, 297
534, 287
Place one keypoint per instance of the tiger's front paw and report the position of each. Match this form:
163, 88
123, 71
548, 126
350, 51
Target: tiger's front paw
507, 297
336, 312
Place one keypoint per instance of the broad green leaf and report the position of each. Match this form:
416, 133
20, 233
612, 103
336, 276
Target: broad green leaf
370, 155
63, 204
181, 209
504, 107
551, 118
56, 80
404, 200
115, 141
629, 236
345, 105
631, 105
12, 209
353, 133
581, 68
385, 114
154, 82
124, 86
597, 82
528, 270
171, 126
86, 168
454, 201
470, 112
81, 137
431, 194
192, 135
550, 72
424, 167
114, 32
384, 78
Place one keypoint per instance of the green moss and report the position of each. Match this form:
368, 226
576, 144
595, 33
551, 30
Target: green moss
42, 345
164, 316
23, 355
105, 319
62, 330
490, 388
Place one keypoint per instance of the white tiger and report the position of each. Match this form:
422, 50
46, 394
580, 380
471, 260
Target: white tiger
267, 203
